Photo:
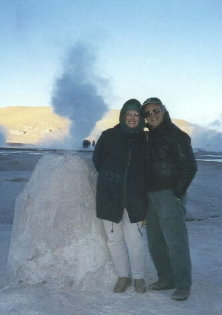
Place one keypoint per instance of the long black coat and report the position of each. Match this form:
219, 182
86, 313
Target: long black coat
171, 159
120, 161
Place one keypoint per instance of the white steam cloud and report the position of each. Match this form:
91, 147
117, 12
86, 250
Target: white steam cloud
216, 124
76, 94
207, 139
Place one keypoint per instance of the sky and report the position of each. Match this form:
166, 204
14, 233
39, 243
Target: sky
169, 49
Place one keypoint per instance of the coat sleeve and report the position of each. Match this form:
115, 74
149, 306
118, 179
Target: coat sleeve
185, 162
98, 153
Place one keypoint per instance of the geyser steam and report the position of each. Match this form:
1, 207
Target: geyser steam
76, 93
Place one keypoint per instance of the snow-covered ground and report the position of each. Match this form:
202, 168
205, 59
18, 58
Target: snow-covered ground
205, 233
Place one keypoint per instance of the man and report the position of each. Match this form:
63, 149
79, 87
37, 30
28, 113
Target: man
172, 167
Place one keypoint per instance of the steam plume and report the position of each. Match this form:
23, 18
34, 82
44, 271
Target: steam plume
76, 93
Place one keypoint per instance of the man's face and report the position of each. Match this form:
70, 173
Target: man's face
132, 118
154, 115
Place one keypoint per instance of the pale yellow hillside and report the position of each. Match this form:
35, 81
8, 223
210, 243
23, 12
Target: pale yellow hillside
30, 125
185, 126
33, 125
111, 118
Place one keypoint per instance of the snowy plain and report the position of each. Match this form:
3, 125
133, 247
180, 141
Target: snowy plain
204, 222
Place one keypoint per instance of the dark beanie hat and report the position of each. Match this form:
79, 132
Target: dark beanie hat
132, 104
151, 100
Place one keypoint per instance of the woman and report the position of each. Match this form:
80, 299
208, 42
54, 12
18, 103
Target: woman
121, 200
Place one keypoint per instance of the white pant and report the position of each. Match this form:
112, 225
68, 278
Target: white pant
126, 247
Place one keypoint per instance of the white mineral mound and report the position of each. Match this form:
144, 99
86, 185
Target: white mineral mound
56, 237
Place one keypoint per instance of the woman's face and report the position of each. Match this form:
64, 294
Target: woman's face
132, 118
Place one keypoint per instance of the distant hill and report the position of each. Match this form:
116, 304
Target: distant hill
202, 138
111, 118
32, 125
36, 125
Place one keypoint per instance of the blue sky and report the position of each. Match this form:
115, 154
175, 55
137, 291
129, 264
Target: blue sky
170, 49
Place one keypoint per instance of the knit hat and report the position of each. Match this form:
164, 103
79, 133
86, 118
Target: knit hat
131, 104
152, 100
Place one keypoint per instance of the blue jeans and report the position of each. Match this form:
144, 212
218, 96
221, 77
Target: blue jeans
168, 238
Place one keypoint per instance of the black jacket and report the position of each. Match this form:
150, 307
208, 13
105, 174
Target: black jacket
171, 159
119, 159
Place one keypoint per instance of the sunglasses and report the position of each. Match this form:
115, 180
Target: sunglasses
155, 111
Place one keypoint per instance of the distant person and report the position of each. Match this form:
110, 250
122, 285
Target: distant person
121, 199
172, 167
93, 143
86, 143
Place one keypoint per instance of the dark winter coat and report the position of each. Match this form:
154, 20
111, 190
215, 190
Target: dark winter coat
119, 158
171, 159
